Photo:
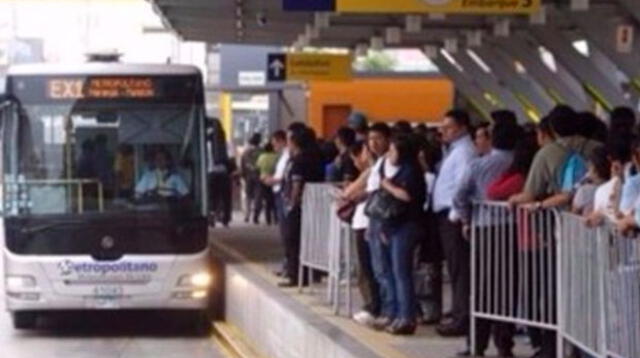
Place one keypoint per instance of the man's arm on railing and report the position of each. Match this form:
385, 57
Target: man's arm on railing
535, 186
521, 198
356, 189
556, 200
627, 224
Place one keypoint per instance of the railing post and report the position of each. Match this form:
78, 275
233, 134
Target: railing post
603, 264
472, 323
559, 286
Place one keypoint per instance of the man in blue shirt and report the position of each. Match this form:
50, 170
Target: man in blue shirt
161, 180
460, 151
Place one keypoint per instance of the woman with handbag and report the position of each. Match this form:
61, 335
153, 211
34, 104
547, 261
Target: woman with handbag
355, 194
395, 207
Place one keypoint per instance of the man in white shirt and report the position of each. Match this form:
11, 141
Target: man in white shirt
378, 141
279, 142
608, 196
280, 145
456, 249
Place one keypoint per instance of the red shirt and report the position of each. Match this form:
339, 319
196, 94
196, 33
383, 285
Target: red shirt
506, 185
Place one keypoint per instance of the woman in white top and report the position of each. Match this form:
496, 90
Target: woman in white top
356, 192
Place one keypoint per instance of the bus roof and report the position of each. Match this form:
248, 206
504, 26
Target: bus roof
97, 68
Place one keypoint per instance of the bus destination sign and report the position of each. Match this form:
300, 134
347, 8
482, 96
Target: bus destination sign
100, 88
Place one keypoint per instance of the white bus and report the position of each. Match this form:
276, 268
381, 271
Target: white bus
104, 189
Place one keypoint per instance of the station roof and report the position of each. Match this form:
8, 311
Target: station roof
264, 22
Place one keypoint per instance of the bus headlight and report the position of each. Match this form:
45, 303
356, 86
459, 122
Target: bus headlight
20, 282
198, 294
202, 279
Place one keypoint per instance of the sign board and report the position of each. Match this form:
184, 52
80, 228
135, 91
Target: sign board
252, 78
309, 5
307, 66
624, 38
440, 6
104, 89
101, 87
277, 67
417, 6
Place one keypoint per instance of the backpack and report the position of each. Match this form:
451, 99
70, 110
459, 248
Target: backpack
572, 171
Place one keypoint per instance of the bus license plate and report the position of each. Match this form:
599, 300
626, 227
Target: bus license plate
107, 291
106, 297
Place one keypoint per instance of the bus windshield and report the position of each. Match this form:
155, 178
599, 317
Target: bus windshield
122, 168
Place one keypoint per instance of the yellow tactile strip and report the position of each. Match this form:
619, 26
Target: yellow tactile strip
234, 342
378, 342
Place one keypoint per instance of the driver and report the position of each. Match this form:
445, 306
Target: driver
161, 180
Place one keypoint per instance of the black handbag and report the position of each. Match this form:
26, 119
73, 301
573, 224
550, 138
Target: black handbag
382, 205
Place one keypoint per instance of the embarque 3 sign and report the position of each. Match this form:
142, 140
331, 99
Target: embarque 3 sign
417, 6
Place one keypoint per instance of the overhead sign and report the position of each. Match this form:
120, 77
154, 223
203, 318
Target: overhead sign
417, 6
306, 67
309, 5
252, 79
276, 67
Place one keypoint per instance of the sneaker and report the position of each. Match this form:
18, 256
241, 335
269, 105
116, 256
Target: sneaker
364, 318
381, 323
401, 327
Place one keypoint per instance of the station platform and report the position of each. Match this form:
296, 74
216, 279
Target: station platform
279, 322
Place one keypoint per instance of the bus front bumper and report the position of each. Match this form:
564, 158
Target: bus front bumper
181, 282
177, 300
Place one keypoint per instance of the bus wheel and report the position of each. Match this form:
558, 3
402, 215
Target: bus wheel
24, 320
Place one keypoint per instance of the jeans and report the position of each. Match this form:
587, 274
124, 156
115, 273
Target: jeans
266, 201
366, 279
393, 267
251, 187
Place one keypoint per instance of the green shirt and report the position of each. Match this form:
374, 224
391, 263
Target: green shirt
545, 169
267, 163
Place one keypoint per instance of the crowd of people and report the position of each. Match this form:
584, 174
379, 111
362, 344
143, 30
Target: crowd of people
408, 192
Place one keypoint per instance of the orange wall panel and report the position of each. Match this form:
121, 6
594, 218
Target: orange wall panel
383, 99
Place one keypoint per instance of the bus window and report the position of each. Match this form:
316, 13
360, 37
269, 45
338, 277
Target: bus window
78, 162
125, 170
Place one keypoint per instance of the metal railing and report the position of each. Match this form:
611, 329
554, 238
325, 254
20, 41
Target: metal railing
582, 268
325, 244
547, 269
542, 269
514, 266
621, 294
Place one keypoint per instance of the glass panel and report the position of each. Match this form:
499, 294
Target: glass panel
77, 160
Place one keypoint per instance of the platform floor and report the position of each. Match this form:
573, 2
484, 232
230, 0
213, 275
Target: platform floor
259, 248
